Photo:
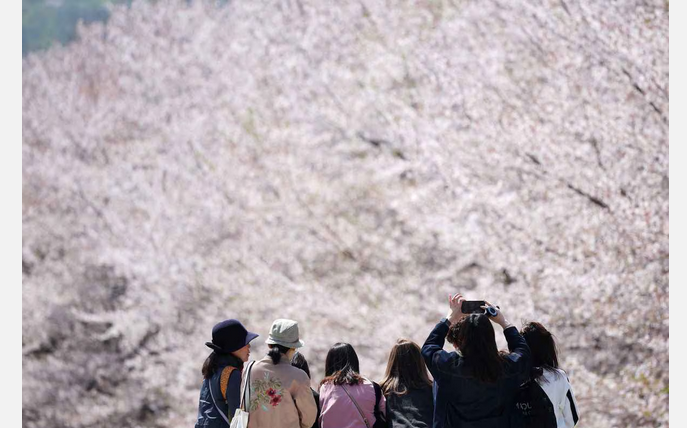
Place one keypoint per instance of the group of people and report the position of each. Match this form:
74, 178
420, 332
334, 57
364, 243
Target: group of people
475, 386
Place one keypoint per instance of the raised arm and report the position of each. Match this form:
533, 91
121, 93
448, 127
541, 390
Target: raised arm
520, 354
433, 348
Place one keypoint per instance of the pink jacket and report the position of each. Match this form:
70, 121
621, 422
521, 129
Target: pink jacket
338, 411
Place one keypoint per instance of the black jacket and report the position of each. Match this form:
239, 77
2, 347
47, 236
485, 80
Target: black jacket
316, 396
461, 401
208, 416
411, 410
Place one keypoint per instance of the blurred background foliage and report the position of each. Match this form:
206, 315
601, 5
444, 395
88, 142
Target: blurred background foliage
346, 165
45, 22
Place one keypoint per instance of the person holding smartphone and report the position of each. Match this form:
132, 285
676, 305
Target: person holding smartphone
477, 385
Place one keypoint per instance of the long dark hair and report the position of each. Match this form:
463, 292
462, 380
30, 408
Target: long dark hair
300, 362
543, 348
474, 337
212, 362
276, 352
210, 365
342, 366
405, 370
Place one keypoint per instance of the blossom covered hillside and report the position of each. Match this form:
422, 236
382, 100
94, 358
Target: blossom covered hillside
347, 165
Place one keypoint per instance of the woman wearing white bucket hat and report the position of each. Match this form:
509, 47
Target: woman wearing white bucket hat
280, 394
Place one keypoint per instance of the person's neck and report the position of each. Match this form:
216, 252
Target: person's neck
232, 360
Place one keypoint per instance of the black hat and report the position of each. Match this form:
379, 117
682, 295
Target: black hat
229, 336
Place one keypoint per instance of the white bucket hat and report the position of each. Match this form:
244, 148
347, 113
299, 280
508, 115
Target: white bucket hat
285, 333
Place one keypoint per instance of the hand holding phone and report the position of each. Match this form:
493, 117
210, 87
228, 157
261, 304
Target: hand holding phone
472, 307
455, 303
494, 312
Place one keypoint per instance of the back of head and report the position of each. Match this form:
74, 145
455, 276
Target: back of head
474, 337
342, 365
276, 352
300, 362
542, 345
405, 370
283, 336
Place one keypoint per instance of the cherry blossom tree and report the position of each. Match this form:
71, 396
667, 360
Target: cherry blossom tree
347, 165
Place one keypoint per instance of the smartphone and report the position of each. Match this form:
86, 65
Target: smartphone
472, 306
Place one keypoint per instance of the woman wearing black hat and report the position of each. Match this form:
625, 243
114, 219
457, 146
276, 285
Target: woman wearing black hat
221, 390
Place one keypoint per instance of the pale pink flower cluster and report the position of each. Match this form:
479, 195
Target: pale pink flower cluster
347, 165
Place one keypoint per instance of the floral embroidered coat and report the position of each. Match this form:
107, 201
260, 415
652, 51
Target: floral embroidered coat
280, 396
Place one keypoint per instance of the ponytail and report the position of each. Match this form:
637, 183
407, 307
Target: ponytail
210, 365
276, 352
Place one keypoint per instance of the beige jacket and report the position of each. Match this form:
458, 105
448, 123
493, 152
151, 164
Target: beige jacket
280, 396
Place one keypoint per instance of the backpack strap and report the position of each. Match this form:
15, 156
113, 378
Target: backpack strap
573, 409
378, 396
212, 394
245, 389
362, 415
224, 380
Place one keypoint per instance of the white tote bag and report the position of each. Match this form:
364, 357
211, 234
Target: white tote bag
240, 419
